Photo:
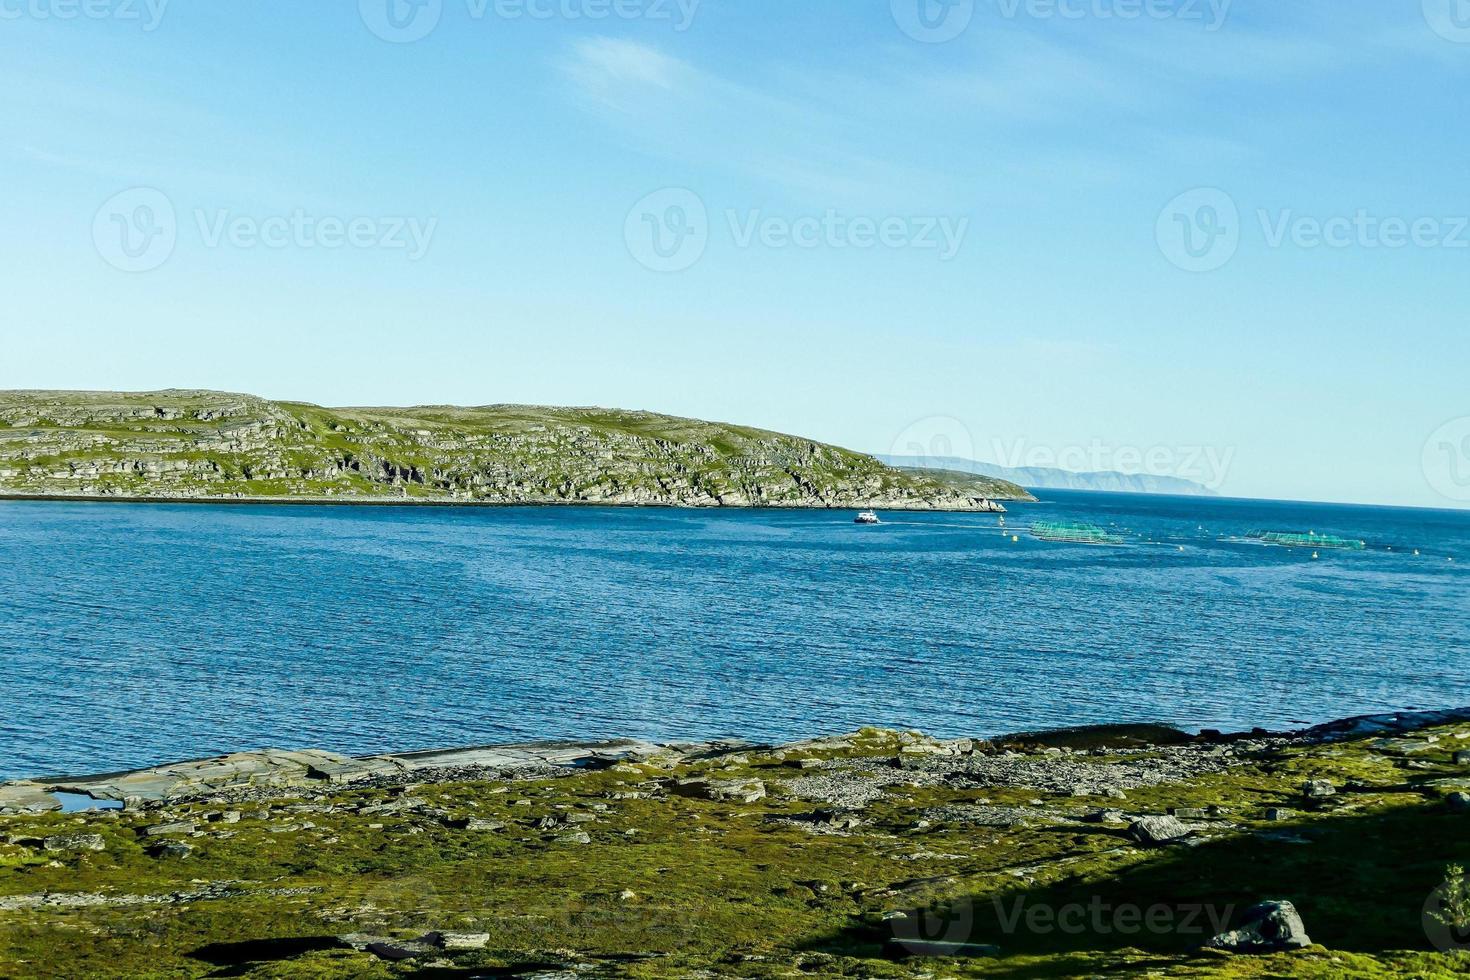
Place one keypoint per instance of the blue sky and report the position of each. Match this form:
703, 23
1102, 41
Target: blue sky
1226, 240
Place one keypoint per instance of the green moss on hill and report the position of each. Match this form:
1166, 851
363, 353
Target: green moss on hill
212, 445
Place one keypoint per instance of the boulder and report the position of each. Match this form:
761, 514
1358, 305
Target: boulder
75, 842
1158, 831
163, 829
1458, 801
1269, 927
26, 797
455, 941
1318, 789
725, 791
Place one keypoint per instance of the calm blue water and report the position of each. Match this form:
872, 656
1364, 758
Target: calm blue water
134, 634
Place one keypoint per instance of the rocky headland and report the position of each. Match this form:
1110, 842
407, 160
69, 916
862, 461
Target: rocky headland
1101, 851
214, 446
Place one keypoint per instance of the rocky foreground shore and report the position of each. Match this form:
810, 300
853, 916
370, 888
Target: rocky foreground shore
878, 854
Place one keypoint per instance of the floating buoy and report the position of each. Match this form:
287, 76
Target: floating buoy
1416, 552
1181, 547
1315, 556
1015, 538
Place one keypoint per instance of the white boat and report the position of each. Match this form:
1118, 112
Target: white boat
867, 517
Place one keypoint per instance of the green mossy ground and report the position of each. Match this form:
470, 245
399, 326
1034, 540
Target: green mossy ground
227, 446
719, 889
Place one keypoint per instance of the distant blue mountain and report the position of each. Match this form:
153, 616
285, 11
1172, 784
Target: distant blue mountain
1045, 478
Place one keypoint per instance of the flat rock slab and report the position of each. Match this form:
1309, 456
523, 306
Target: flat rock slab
274, 769
26, 797
1399, 723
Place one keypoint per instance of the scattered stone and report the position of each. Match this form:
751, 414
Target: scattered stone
392, 950
724, 791
1318, 789
1158, 831
1266, 928
1277, 814
463, 940
577, 837
1402, 745
1458, 801
170, 849
75, 842
1105, 816
177, 827
627, 895
1462, 758
476, 823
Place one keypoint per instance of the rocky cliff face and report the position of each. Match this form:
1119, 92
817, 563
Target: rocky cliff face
211, 445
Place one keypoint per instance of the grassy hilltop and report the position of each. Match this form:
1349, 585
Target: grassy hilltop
203, 445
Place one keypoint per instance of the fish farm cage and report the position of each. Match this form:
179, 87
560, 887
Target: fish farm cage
1311, 539
1073, 533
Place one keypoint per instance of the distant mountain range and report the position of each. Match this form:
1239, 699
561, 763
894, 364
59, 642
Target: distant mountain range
1045, 478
